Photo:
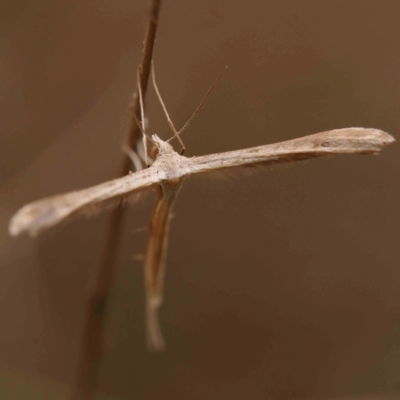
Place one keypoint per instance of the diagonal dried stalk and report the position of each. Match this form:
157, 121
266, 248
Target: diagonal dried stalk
92, 340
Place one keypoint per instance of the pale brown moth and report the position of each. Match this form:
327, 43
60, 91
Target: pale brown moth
166, 176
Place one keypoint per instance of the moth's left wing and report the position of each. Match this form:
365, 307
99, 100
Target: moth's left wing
45, 213
338, 141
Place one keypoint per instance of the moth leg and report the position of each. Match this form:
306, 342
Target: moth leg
137, 164
155, 258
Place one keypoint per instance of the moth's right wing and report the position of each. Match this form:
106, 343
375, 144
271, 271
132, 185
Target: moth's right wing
43, 214
338, 141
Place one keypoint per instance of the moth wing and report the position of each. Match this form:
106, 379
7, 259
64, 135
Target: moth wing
43, 214
338, 141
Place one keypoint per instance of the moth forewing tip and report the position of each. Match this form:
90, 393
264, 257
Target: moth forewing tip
16, 225
376, 135
377, 140
385, 137
13, 228
25, 220
355, 140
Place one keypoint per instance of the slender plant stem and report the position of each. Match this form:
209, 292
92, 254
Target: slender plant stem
93, 333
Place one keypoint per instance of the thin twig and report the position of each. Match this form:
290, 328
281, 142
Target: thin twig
92, 341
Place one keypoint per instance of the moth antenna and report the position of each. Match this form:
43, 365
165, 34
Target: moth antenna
170, 123
200, 105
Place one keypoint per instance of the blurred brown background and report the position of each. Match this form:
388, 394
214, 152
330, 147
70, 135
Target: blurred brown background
284, 284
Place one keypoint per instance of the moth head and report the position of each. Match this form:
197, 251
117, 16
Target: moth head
160, 147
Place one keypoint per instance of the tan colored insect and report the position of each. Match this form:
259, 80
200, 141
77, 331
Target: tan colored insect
167, 174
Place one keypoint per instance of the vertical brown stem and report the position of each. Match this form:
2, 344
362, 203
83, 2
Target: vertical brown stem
93, 331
